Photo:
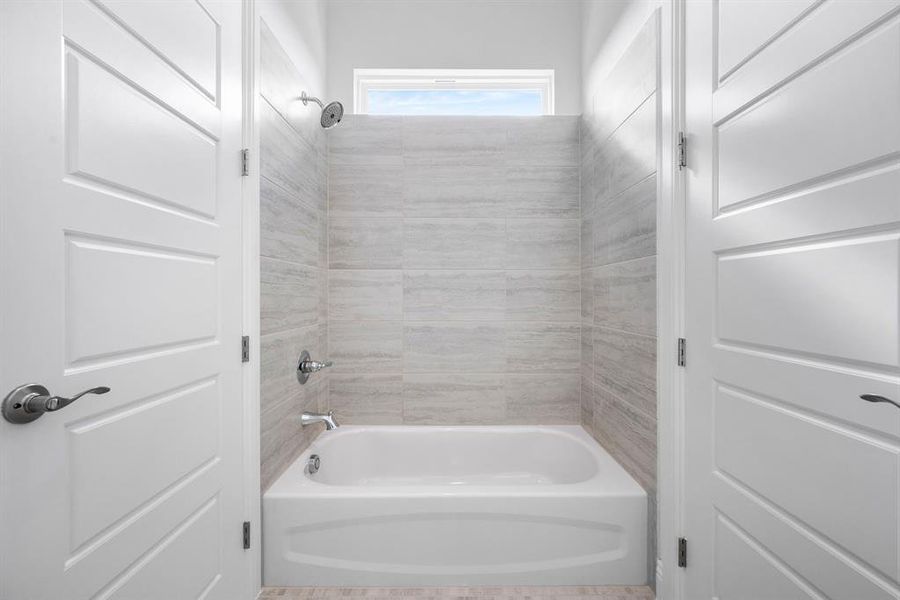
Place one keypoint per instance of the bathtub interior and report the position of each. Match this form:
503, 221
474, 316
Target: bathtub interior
390, 456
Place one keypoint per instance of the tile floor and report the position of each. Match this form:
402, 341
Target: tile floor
466, 593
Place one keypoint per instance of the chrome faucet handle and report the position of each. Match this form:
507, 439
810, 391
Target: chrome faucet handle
311, 366
28, 402
307, 365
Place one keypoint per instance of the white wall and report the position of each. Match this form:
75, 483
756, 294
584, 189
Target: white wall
469, 34
607, 28
300, 29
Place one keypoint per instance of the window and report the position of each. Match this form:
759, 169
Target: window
519, 92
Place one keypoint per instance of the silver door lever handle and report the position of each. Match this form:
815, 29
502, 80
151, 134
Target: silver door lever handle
28, 402
54, 403
877, 398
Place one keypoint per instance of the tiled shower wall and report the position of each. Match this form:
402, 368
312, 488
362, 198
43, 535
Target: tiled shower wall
292, 258
618, 260
453, 283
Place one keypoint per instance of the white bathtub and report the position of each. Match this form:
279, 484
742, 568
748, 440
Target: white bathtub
446, 506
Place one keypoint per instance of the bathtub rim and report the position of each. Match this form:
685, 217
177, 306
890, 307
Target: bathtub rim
610, 480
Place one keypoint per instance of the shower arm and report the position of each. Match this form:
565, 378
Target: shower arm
306, 100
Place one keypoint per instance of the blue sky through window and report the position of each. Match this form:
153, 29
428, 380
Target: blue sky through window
455, 102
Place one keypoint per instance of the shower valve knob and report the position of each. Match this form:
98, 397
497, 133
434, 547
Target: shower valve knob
307, 366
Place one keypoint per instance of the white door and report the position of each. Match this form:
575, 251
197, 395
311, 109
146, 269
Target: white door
793, 259
120, 267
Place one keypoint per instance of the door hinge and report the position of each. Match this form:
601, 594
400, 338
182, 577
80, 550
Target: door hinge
245, 162
682, 150
682, 352
245, 348
682, 553
246, 535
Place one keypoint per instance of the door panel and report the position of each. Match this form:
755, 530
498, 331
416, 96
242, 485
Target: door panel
812, 125
819, 35
102, 275
746, 571
744, 29
810, 556
112, 487
184, 35
793, 300
792, 291
120, 257
824, 485
105, 113
90, 30
199, 536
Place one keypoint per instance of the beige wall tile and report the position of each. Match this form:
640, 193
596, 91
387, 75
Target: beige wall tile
543, 142
543, 243
289, 295
366, 140
543, 398
543, 347
453, 243
365, 243
453, 141
625, 364
625, 296
446, 346
366, 346
289, 229
626, 228
490, 235
541, 191
543, 295
289, 160
362, 191
367, 399
454, 295
629, 435
375, 295
454, 191
453, 399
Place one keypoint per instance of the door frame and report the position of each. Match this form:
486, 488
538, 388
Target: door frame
671, 273
670, 302
250, 291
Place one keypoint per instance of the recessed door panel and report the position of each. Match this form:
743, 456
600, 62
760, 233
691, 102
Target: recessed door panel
744, 571
744, 29
199, 537
819, 473
184, 35
825, 298
171, 299
832, 117
175, 163
115, 468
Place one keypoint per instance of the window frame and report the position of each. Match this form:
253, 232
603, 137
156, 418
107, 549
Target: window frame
542, 80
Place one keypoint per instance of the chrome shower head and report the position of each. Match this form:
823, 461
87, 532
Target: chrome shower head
332, 113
